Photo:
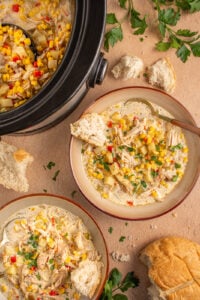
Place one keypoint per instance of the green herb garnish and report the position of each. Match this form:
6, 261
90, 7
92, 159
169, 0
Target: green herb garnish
50, 165
33, 241
122, 238
115, 283
73, 193
110, 229
56, 175
176, 147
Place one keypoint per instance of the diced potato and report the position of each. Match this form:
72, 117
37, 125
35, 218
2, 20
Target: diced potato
52, 64
152, 148
109, 157
6, 102
148, 176
116, 116
109, 180
12, 270
138, 143
3, 88
143, 150
114, 168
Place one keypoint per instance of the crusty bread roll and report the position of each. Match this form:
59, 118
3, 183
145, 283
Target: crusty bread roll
173, 268
162, 75
13, 165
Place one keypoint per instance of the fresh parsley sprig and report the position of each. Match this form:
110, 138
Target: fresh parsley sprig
183, 40
115, 34
115, 283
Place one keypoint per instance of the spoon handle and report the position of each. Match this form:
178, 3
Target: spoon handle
186, 126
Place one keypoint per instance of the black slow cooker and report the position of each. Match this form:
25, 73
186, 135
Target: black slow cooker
82, 67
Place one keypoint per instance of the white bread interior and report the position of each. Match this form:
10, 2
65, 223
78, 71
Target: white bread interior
13, 166
161, 74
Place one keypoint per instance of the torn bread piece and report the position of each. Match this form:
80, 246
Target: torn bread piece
128, 67
90, 128
87, 277
173, 268
13, 165
161, 74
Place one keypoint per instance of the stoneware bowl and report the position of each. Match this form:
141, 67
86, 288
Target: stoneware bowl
183, 188
37, 199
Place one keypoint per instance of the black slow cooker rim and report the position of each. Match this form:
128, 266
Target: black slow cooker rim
88, 30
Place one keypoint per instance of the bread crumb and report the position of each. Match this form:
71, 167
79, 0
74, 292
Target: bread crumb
162, 75
174, 215
128, 67
153, 226
121, 257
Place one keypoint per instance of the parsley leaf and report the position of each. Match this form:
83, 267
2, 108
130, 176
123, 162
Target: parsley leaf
115, 283
195, 47
122, 3
169, 16
113, 36
190, 5
137, 22
111, 19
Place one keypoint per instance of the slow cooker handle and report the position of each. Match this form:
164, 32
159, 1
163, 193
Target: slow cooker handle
98, 71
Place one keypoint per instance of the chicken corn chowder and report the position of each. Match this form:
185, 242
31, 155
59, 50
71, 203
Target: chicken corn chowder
50, 255
130, 156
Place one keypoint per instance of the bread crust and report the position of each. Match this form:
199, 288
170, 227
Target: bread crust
174, 267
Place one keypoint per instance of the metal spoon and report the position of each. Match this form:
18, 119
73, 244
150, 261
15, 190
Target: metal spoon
32, 45
5, 238
189, 127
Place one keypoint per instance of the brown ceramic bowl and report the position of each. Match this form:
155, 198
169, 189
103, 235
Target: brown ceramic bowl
183, 188
37, 199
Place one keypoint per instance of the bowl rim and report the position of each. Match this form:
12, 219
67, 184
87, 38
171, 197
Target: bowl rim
64, 198
146, 218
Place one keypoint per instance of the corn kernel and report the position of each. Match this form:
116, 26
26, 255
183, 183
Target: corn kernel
27, 41
154, 194
4, 288
5, 77
67, 259
104, 195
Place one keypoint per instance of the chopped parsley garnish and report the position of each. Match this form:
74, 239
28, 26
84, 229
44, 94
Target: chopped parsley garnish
110, 229
33, 241
154, 173
50, 165
122, 238
177, 166
176, 147
56, 175
143, 184
73, 193
174, 178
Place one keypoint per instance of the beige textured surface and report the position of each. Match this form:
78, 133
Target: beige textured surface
53, 145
